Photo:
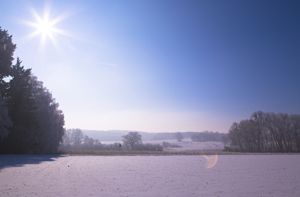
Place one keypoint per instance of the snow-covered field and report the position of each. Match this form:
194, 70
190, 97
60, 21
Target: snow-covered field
233, 175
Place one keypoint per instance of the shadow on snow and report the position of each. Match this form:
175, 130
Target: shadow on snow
21, 160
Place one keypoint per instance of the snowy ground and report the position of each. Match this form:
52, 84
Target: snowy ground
233, 175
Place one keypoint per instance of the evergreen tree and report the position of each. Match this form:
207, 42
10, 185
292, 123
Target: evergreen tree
34, 123
50, 120
21, 108
5, 121
7, 49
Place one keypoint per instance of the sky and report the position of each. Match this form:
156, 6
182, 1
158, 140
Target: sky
160, 66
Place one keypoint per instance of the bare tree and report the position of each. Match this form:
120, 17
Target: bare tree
295, 120
76, 137
88, 142
132, 139
86, 139
258, 119
266, 132
67, 137
233, 137
224, 139
179, 136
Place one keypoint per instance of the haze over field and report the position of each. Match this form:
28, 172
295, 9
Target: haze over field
160, 66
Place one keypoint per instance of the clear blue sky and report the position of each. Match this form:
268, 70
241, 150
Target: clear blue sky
162, 66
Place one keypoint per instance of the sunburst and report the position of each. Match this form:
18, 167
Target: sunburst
45, 27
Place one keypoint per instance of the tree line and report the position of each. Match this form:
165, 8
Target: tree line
209, 136
266, 132
75, 140
30, 121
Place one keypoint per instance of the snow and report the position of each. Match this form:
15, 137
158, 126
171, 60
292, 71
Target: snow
233, 175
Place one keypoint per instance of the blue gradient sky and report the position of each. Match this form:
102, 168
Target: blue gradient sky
163, 66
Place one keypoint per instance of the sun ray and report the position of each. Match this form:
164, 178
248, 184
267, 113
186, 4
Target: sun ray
31, 35
36, 15
54, 42
59, 18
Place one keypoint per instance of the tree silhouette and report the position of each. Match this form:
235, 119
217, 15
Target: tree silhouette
132, 139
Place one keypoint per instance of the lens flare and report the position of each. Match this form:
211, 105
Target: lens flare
211, 160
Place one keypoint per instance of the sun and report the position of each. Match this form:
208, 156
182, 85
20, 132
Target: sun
44, 26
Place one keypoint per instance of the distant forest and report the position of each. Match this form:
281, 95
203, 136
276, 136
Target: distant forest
266, 132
